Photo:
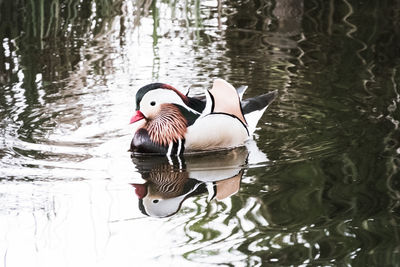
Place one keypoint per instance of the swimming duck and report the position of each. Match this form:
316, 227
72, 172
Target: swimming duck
169, 122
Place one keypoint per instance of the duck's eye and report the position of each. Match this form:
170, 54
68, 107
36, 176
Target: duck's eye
155, 201
153, 103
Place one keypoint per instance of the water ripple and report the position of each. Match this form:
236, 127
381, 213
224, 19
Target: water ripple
321, 189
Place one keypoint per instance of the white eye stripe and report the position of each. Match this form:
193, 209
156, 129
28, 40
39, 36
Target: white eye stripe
162, 96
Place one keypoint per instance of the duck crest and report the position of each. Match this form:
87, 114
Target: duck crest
168, 127
153, 86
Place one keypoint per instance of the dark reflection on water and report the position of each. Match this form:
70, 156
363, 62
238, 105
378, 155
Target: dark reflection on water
328, 193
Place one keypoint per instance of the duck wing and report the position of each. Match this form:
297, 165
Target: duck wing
221, 124
198, 103
222, 94
223, 98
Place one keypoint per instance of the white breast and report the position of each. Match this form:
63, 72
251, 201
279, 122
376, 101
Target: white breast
215, 131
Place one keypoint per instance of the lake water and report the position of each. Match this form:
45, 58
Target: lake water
319, 185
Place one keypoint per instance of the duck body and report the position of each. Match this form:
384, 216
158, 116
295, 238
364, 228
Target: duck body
171, 123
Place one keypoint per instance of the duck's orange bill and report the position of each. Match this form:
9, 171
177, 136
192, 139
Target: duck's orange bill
137, 117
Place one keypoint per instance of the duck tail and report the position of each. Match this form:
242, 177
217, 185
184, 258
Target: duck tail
253, 108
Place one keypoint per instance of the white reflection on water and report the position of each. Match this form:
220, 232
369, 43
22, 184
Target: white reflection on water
78, 224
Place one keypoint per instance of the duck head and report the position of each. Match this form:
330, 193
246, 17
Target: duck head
151, 98
164, 113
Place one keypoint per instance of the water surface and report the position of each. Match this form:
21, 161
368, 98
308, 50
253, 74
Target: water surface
319, 185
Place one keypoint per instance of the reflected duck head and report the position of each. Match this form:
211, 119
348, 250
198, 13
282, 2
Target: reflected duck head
156, 199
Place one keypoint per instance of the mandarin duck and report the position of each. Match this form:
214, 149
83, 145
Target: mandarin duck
169, 122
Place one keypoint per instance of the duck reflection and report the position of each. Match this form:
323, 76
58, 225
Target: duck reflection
170, 181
